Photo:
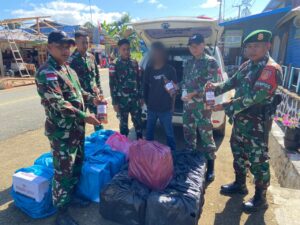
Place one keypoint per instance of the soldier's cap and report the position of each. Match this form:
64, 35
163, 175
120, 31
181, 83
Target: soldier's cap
196, 39
258, 36
80, 33
59, 37
123, 42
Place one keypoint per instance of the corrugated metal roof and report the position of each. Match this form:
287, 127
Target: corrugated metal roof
263, 14
20, 35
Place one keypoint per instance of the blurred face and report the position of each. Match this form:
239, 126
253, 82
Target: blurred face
257, 50
124, 51
82, 44
157, 56
60, 52
197, 49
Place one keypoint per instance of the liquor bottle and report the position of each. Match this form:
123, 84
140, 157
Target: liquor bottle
210, 98
169, 86
102, 112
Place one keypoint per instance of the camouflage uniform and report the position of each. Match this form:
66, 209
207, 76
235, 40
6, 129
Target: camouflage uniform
88, 74
125, 87
196, 74
63, 100
255, 86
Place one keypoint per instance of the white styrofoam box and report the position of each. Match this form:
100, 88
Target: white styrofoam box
31, 185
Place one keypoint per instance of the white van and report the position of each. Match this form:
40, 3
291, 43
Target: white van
174, 33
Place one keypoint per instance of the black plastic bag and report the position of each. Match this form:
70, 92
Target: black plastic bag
173, 207
124, 200
181, 203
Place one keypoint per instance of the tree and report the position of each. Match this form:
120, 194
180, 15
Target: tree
120, 29
89, 26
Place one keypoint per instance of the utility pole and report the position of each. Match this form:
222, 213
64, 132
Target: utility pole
220, 10
224, 3
238, 6
246, 4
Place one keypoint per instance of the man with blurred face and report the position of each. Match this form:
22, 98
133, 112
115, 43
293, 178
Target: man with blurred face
160, 102
125, 87
251, 111
63, 100
196, 115
85, 66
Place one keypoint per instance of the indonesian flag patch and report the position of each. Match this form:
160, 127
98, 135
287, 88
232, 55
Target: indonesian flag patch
51, 76
112, 70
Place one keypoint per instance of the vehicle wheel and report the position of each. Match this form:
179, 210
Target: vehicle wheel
221, 131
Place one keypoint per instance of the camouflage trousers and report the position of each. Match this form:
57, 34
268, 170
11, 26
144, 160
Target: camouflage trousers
93, 109
193, 120
133, 108
250, 150
68, 156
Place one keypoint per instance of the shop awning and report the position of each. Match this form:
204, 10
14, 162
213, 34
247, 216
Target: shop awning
289, 16
256, 16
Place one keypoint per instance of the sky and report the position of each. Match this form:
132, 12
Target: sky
75, 12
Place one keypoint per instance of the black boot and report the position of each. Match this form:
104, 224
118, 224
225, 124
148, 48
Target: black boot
237, 187
139, 135
258, 202
79, 202
210, 173
63, 218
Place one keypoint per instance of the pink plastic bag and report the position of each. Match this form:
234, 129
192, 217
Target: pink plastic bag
120, 143
151, 163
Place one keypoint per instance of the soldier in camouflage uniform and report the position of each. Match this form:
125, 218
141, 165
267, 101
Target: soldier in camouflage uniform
85, 66
196, 115
63, 100
250, 111
125, 87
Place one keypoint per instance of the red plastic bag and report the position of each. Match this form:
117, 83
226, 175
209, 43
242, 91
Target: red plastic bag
151, 163
120, 143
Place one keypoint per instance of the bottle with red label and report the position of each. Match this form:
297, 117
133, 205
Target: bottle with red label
170, 86
102, 112
210, 98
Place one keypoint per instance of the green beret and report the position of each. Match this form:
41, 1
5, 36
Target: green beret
258, 36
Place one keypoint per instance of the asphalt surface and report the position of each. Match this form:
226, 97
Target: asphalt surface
21, 111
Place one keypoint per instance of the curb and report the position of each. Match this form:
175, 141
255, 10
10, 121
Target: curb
286, 164
7, 83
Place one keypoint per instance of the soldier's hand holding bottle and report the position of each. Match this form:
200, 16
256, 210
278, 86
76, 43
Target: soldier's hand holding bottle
210, 86
91, 119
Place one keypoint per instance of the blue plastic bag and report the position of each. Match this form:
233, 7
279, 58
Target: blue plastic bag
95, 142
115, 159
100, 136
28, 205
92, 180
45, 160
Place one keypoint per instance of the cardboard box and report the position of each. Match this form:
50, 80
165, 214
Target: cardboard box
30, 185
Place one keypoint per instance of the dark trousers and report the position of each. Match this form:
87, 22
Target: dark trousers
165, 119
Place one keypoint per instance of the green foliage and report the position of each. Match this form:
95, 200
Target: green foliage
120, 29
136, 55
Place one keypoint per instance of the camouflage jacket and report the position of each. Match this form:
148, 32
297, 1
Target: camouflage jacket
125, 81
196, 73
254, 84
61, 95
87, 71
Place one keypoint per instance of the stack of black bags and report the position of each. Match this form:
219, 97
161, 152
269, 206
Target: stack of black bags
128, 202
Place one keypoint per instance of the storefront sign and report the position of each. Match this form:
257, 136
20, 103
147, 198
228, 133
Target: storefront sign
233, 38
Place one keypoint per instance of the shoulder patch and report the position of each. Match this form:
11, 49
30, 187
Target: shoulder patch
51, 76
112, 69
267, 80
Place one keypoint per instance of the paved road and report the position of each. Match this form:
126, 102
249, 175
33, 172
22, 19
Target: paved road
21, 111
